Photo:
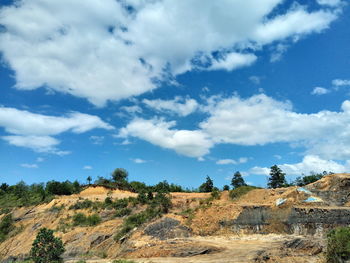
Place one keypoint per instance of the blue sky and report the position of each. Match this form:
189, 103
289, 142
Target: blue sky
173, 90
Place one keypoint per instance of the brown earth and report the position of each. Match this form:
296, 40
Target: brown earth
200, 230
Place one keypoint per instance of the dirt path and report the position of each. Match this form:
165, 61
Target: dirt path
233, 250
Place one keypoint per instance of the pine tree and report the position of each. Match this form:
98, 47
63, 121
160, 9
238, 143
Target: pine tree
277, 177
207, 186
237, 180
46, 247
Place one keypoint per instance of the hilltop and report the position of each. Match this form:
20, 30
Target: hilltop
263, 225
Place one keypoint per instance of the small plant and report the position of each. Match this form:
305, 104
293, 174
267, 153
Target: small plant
82, 220
122, 212
121, 203
338, 245
46, 247
123, 261
240, 191
82, 205
215, 194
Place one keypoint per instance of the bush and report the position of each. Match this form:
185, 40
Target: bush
122, 212
46, 247
338, 245
82, 205
240, 191
82, 220
121, 203
123, 261
215, 194
6, 226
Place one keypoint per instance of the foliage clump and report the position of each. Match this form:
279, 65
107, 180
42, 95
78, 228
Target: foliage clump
207, 186
6, 226
46, 247
237, 180
277, 178
240, 191
82, 220
338, 245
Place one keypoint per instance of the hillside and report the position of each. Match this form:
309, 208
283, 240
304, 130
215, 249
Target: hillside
264, 225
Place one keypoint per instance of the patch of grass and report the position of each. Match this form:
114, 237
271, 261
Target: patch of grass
82, 205
82, 220
122, 212
6, 226
240, 191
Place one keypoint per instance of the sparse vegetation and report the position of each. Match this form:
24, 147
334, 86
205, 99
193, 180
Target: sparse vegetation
240, 191
82, 220
338, 245
6, 226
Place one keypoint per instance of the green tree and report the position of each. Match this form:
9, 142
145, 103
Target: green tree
207, 186
277, 177
89, 179
237, 180
226, 187
120, 177
46, 247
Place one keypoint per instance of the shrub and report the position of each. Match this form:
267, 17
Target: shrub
123, 261
108, 201
46, 247
240, 191
82, 205
82, 220
121, 203
122, 212
6, 226
338, 245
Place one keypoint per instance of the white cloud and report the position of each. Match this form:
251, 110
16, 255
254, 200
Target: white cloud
232, 61
329, 2
132, 109
160, 133
310, 163
35, 131
179, 105
36, 143
341, 82
87, 167
257, 120
138, 161
232, 161
120, 53
278, 52
319, 91
30, 166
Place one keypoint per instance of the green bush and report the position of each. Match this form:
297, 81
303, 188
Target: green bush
121, 203
6, 226
123, 261
122, 212
82, 220
338, 245
46, 248
240, 191
82, 205
215, 194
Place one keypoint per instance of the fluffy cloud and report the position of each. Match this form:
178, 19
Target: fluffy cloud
341, 82
310, 163
232, 161
111, 50
160, 133
319, 91
30, 166
257, 120
179, 105
35, 131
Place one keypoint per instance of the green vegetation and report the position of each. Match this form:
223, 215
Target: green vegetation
277, 178
308, 179
21, 194
82, 220
122, 212
338, 245
206, 187
237, 180
240, 191
46, 247
6, 226
82, 205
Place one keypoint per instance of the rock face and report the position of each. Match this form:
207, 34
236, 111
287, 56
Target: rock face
167, 228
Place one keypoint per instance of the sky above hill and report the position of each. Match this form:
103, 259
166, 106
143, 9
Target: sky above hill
173, 90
